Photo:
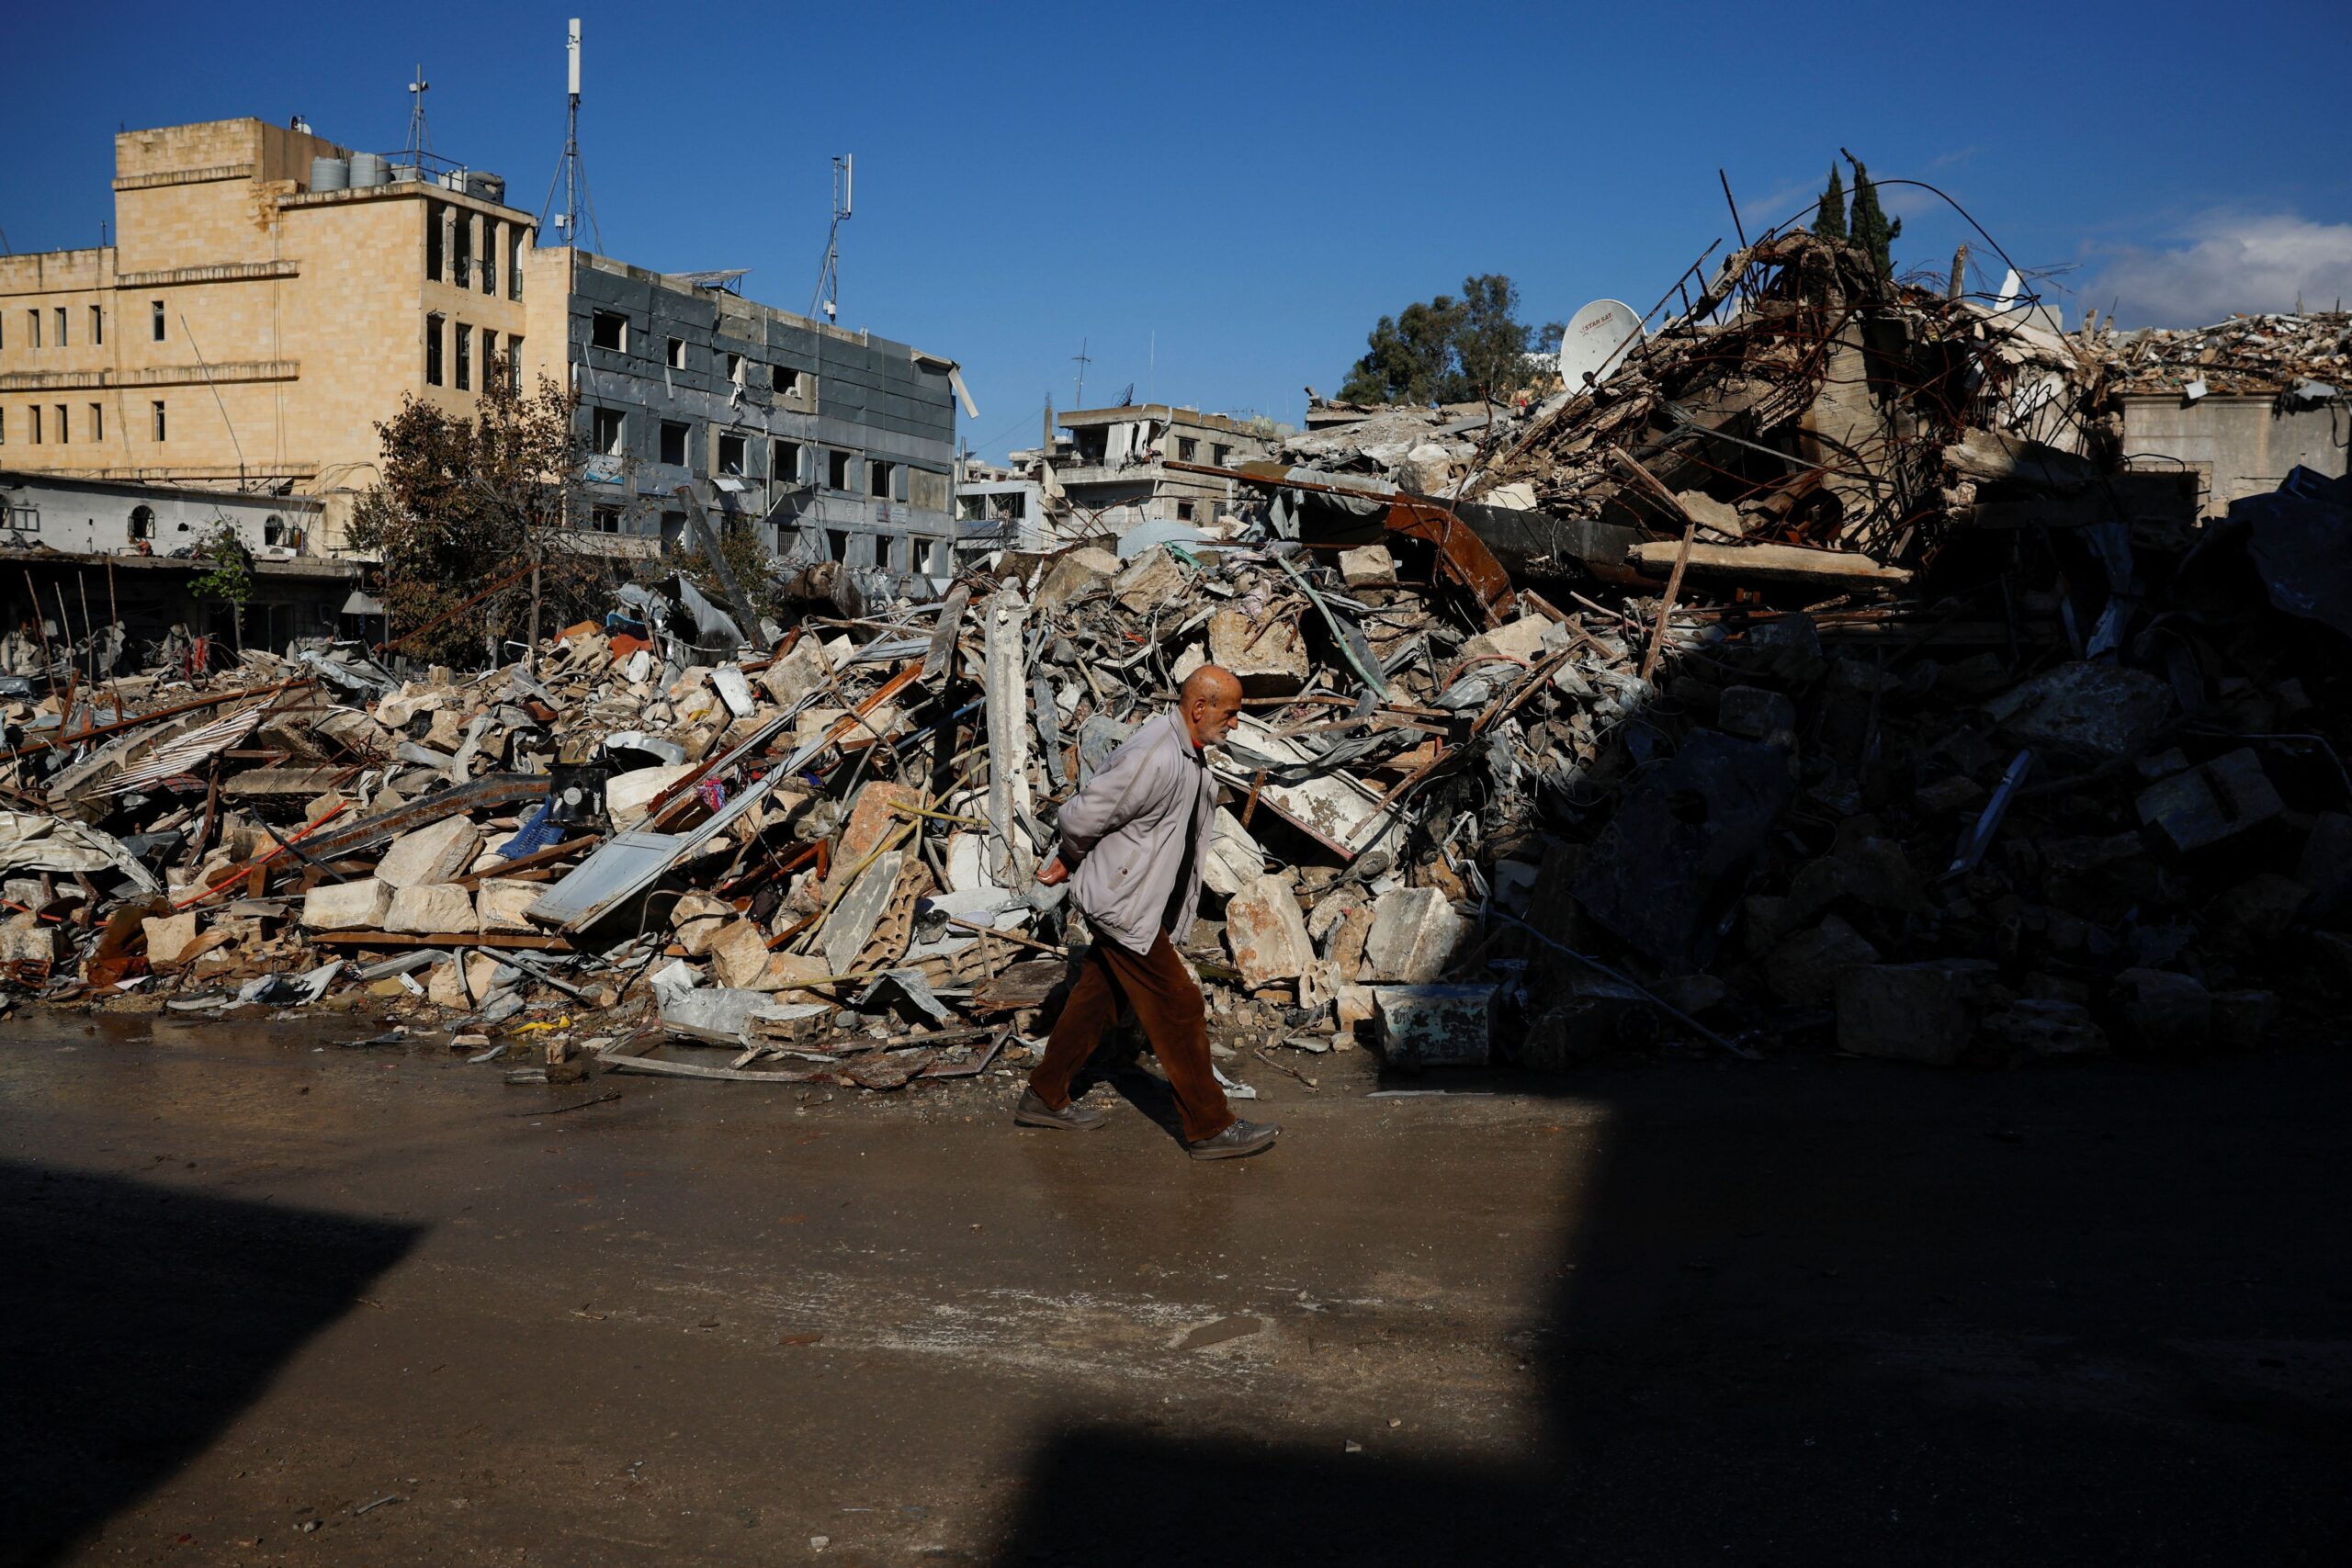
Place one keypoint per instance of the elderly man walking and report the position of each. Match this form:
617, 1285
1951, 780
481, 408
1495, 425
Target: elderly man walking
1136, 834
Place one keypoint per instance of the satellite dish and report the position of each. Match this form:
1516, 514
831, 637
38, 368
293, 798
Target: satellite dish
1597, 341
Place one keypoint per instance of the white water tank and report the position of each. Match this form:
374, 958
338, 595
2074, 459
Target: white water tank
330, 173
369, 170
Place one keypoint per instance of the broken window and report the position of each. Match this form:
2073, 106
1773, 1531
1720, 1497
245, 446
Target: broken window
673, 443
608, 328
787, 381
1222, 456
433, 350
273, 531
837, 545
142, 523
515, 362
155, 409
877, 479
514, 261
677, 354
837, 469
1187, 449
433, 221
461, 268
730, 453
488, 258
155, 323
1183, 512
784, 462
607, 431
606, 520
465, 358
733, 364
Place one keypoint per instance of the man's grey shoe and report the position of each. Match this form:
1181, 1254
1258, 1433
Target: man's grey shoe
1035, 1113
1241, 1138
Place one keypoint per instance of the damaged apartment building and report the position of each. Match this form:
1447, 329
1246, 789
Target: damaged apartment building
835, 445
1111, 471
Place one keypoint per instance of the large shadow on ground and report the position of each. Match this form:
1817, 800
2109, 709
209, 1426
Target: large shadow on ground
140, 1322
1854, 1313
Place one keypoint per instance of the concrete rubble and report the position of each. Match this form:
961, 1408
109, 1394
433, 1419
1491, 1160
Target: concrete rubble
1814, 680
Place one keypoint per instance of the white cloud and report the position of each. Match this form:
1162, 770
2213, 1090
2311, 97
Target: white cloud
2230, 261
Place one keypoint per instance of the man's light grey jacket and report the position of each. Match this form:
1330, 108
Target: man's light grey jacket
1123, 835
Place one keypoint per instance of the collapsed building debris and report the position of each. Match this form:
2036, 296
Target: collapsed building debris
1815, 676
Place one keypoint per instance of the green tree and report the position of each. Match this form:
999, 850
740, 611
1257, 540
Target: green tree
1872, 231
1450, 351
230, 578
1830, 215
470, 504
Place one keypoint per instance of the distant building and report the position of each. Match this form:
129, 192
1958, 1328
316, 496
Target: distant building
268, 296
836, 446
1000, 509
113, 549
271, 295
1110, 470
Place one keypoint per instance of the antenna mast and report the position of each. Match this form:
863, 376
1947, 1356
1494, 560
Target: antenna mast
418, 143
829, 280
571, 174
1081, 361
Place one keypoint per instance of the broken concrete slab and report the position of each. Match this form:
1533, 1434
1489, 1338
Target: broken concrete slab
2208, 804
1755, 713
629, 796
500, 901
2160, 1013
851, 925
436, 852
1267, 932
1074, 574
1925, 1012
1665, 872
1151, 580
1412, 938
1268, 655
697, 918
1806, 968
1369, 565
1235, 859
2087, 709
168, 938
1435, 1026
432, 908
356, 905
798, 674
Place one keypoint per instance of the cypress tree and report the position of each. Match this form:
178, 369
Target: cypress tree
1870, 229
1829, 218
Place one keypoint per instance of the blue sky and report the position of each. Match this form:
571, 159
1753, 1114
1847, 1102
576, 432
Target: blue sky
1250, 187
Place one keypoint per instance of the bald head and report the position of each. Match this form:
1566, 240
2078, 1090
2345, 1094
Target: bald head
1210, 701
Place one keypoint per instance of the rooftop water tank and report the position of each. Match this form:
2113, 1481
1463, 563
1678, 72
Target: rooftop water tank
330, 173
369, 170
487, 187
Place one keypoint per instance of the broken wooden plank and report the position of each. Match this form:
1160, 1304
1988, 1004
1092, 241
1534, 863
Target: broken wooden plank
1769, 563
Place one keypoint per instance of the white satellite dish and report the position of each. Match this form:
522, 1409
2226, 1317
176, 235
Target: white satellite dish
1597, 341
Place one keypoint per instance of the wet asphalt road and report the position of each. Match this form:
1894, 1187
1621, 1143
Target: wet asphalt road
277, 1299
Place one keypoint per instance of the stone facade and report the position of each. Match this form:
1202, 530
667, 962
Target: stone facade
247, 331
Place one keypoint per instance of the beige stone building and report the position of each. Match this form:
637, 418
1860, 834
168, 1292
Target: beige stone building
269, 296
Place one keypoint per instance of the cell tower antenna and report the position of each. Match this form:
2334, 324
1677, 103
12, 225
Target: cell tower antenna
418, 141
1081, 361
829, 279
571, 174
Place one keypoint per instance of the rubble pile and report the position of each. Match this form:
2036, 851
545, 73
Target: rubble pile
1806, 681
2245, 354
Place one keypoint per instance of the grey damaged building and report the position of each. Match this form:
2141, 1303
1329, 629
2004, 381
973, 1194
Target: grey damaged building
832, 445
